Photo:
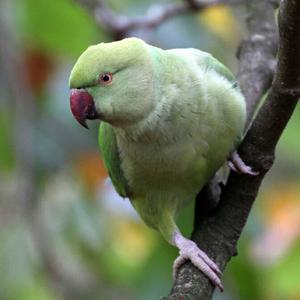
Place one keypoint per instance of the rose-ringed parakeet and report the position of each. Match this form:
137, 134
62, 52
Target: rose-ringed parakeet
170, 119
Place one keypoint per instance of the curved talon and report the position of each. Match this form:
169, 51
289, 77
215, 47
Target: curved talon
209, 262
199, 263
178, 262
190, 251
231, 166
213, 277
236, 164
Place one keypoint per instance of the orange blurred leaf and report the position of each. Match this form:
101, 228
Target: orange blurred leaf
91, 170
38, 68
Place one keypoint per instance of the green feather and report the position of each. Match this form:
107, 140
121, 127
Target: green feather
111, 157
220, 69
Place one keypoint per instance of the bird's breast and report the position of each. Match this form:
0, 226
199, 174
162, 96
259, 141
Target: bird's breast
178, 166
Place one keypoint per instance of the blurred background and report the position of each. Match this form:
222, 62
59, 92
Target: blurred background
64, 233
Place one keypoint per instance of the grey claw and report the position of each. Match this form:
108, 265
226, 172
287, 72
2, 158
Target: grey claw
236, 164
190, 251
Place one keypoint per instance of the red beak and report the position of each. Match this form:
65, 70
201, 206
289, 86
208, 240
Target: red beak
83, 106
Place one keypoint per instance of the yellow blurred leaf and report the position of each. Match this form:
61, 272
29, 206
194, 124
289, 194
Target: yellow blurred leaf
133, 243
221, 22
282, 206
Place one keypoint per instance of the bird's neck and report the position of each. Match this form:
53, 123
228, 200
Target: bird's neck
169, 108
149, 128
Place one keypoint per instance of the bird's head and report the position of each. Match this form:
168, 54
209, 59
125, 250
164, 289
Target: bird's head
113, 82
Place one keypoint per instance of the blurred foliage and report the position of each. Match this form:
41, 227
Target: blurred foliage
74, 238
56, 26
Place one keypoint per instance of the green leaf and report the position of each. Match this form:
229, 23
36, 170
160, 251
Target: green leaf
283, 279
6, 157
59, 26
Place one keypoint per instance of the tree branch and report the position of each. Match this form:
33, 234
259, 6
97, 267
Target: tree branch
256, 69
219, 232
121, 26
257, 53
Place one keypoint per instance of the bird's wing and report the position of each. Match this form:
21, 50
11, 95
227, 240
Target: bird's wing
213, 64
206, 60
110, 153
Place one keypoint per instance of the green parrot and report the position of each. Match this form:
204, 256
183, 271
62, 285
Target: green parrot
170, 120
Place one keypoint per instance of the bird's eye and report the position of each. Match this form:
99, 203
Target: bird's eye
105, 78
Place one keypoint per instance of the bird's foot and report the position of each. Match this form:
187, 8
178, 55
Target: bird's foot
188, 250
236, 164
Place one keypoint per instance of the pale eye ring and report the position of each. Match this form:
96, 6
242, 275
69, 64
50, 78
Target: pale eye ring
105, 78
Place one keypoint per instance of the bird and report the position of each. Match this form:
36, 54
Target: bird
169, 119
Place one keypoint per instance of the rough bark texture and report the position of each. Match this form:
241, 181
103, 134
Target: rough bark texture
257, 53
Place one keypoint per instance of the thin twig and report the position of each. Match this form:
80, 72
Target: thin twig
120, 26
